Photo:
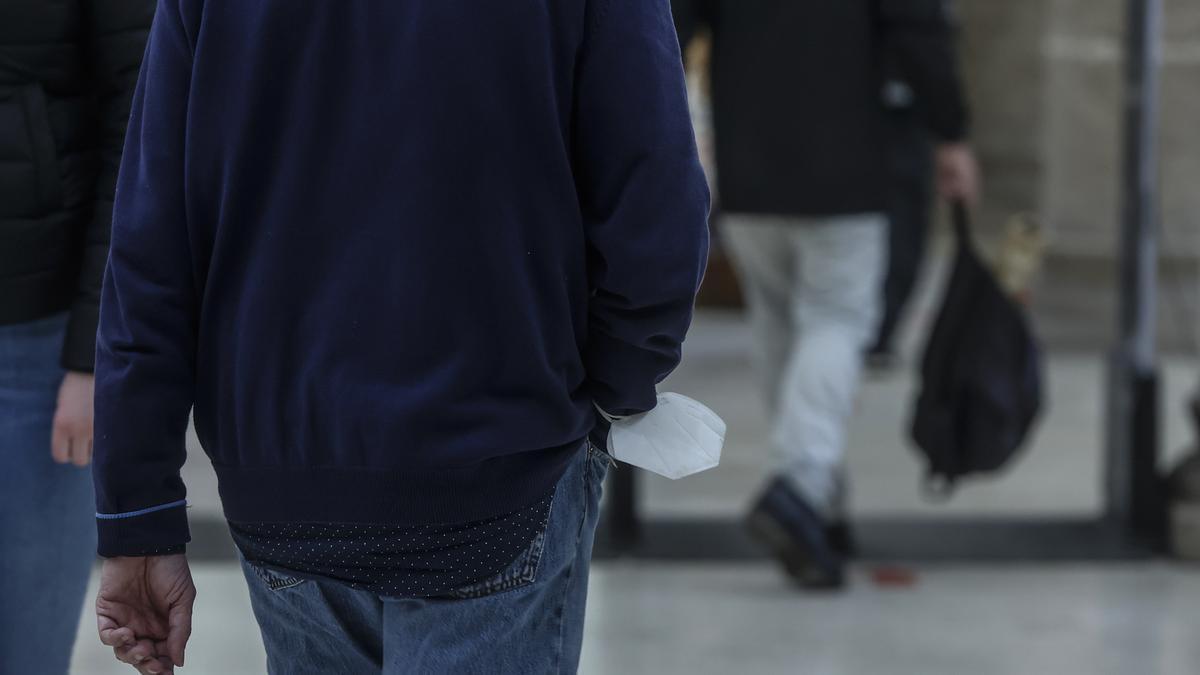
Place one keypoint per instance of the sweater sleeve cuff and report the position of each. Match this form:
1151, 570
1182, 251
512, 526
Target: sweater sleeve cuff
623, 378
79, 345
156, 531
952, 125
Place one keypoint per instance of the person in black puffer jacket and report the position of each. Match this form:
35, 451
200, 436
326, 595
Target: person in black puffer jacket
67, 73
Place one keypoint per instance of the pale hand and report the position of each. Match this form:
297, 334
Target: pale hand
144, 610
958, 175
71, 440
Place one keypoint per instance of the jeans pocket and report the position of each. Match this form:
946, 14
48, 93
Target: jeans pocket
599, 461
522, 572
568, 510
273, 579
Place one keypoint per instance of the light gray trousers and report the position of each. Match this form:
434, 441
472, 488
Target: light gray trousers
814, 290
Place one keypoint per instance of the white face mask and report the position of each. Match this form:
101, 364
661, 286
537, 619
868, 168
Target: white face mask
678, 438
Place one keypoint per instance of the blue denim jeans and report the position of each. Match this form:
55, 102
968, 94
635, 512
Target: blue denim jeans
47, 524
528, 619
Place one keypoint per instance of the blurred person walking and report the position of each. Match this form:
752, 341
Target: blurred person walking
67, 72
802, 175
393, 256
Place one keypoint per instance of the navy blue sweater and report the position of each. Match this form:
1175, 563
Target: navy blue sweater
389, 252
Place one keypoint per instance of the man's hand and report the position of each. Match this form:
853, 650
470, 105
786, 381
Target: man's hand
72, 437
958, 176
144, 610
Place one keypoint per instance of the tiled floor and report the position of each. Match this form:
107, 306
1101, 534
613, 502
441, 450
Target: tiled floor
955, 621
661, 619
722, 620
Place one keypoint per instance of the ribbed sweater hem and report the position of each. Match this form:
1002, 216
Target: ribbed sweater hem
399, 496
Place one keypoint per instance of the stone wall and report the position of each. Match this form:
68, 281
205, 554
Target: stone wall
1005, 73
1046, 84
1084, 52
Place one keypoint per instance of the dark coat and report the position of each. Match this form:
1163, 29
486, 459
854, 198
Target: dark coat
797, 95
67, 73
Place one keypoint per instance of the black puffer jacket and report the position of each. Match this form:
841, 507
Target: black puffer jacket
798, 95
67, 72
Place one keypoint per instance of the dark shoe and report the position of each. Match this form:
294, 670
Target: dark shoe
797, 536
841, 539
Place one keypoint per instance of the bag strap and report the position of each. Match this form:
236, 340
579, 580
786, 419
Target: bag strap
962, 221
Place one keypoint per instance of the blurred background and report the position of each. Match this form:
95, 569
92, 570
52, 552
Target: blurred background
1065, 561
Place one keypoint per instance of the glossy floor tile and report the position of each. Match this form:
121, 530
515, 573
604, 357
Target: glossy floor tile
744, 620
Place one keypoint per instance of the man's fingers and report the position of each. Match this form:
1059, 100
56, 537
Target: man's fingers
141, 655
962, 188
158, 666
179, 629
958, 173
60, 444
155, 665
967, 185
130, 654
111, 635
138, 657
81, 450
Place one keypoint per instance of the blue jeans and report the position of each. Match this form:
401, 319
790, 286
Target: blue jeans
528, 619
47, 524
